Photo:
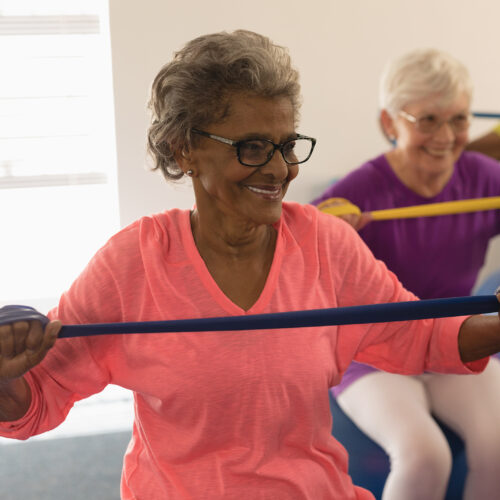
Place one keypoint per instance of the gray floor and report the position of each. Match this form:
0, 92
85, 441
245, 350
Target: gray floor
79, 468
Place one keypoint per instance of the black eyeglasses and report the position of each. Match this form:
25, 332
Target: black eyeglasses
258, 152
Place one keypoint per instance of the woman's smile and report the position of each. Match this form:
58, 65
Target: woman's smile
272, 192
437, 152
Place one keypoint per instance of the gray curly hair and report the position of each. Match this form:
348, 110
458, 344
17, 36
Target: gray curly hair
194, 89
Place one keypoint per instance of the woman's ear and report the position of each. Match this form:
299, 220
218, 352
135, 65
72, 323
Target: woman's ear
387, 126
183, 159
185, 163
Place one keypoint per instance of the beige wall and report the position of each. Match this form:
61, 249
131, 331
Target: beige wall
340, 48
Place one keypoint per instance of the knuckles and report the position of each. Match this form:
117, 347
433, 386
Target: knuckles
15, 336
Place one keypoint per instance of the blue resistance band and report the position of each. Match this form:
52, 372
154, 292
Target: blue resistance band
374, 313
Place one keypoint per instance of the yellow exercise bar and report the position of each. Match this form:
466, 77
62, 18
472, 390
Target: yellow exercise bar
341, 206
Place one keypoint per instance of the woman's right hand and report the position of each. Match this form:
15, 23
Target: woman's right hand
357, 221
23, 345
345, 210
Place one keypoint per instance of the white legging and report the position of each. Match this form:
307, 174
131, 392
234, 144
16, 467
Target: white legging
395, 411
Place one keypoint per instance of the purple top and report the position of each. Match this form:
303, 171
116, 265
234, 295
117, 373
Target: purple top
434, 257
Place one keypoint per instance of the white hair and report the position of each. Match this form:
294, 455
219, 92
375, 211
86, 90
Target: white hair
420, 74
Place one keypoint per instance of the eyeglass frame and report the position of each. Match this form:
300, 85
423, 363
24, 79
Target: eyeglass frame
414, 120
237, 145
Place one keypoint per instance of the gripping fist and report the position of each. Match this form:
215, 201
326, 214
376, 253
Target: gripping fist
23, 344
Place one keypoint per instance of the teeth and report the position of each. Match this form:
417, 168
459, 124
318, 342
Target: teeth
437, 152
273, 190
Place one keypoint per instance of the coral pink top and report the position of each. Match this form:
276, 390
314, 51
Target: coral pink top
230, 414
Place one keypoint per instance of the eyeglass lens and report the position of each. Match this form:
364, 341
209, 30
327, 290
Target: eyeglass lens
431, 123
257, 152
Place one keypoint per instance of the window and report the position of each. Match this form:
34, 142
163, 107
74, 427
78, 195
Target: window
58, 199
58, 190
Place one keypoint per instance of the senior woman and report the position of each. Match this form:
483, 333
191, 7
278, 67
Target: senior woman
425, 98
227, 414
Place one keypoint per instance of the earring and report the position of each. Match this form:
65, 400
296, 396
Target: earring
190, 173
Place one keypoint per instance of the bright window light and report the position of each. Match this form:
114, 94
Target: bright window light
58, 190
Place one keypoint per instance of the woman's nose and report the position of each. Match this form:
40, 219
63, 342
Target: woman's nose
445, 132
276, 166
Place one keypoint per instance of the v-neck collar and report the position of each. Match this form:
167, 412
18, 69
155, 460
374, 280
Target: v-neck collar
210, 284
